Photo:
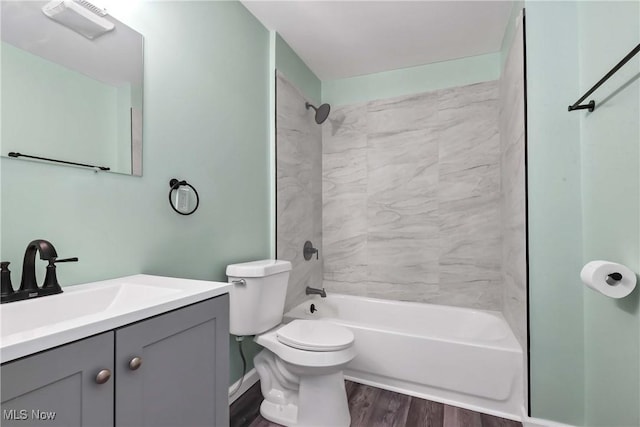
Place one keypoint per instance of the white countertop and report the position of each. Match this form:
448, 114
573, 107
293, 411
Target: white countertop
80, 311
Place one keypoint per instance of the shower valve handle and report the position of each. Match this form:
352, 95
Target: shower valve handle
309, 250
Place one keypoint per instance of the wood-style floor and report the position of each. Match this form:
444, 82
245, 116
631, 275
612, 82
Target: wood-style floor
374, 407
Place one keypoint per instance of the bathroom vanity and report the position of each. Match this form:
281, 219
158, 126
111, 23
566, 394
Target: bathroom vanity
142, 359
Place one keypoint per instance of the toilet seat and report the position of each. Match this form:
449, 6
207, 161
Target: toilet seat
315, 335
304, 358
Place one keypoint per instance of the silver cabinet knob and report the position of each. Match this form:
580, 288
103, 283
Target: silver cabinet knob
135, 363
103, 376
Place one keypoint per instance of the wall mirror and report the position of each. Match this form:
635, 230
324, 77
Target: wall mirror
72, 79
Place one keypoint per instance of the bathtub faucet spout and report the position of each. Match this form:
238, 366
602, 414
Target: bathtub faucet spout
314, 291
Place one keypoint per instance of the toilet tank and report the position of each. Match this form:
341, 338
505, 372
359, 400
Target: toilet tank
257, 296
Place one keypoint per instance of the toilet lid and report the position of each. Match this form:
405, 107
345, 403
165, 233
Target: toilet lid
315, 335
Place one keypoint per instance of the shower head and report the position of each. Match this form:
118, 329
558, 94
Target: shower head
322, 112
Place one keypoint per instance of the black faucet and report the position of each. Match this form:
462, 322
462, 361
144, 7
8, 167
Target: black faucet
5, 280
315, 291
28, 286
47, 253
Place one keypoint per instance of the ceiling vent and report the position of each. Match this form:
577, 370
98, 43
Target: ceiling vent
80, 16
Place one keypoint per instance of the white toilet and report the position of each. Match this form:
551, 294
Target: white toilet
301, 366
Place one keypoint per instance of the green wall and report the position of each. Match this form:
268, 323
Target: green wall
412, 80
206, 115
555, 213
584, 204
610, 142
290, 64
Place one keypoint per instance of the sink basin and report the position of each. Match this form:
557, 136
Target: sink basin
34, 325
19, 317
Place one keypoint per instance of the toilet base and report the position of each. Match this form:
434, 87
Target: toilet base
312, 400
287, 415
322, 401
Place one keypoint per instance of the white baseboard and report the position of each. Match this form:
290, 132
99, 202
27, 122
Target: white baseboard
538, 422
250, 379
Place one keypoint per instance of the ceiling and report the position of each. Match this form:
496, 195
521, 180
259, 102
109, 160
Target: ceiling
338, 39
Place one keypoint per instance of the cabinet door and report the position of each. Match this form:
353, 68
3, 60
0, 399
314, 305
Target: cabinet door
58, 387
182, 379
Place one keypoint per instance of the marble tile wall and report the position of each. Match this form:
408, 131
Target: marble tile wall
411, 198
513, 207
298, 188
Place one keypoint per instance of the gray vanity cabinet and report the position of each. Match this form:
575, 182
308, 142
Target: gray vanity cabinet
168, 370
172, 370
58, 387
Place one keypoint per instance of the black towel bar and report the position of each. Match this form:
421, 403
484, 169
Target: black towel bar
592, 104
102, 168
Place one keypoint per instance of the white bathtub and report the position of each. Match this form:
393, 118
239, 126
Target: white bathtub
458, 356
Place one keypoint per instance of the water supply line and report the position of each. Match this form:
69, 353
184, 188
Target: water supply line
239, 340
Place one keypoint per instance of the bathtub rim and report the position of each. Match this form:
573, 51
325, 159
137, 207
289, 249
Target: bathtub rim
508, 343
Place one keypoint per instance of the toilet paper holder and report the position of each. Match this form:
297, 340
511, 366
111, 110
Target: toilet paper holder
613, 279
608, 278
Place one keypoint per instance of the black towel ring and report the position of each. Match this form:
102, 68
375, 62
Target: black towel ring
175, 184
